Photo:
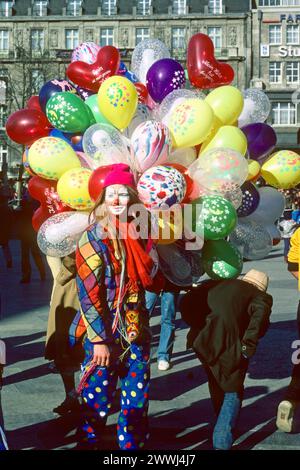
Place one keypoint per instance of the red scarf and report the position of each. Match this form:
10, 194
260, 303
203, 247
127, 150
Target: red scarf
139, 264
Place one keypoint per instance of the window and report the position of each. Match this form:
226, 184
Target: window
293, 72
6, 8
278, 3
37, 81
106, 37
144, 7
72, 38
292, 34
178, 39
73, 7
283, 114
215, 7
3, 88
215, 34
141, 34
4, 40
179, 7
40, 8
109, 7
3, 153
37, 39
3, 116
275, 34
275, 75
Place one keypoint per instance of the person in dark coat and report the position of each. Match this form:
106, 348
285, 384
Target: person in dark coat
28, 239
225, 337
5, 229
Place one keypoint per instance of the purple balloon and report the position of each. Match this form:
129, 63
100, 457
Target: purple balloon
261, 140
164, 76
57, 85
83, 93
250, 201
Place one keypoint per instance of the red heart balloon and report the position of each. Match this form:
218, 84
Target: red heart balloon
26, 126
91, 76
203, 69
45, 191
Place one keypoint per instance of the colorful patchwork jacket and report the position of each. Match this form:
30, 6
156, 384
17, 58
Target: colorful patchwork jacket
98, 284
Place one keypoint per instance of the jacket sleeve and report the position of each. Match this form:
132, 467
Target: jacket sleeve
293, 254
259, 311
90, 273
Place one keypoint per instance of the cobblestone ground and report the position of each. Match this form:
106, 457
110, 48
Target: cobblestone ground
181, 416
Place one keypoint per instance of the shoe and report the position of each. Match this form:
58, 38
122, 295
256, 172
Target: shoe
69, 404
163, 365
25, 280
285, 415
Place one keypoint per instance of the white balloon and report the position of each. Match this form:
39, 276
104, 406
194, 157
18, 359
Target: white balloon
142, 114
251, 239
184, 156
257, 107
145, 54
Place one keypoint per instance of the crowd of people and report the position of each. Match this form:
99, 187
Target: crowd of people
103, 297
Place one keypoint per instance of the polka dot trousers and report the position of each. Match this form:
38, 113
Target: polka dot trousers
100, 388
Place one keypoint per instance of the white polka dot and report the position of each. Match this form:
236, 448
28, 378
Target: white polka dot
91, 396
140, 385
121, 437
123, 402
102, 414
128, 402
84, 399
105, 383
125, 429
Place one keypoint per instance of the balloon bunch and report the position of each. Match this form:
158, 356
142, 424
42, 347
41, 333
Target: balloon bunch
199, 151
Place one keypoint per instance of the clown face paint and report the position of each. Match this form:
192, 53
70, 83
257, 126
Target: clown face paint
116, 199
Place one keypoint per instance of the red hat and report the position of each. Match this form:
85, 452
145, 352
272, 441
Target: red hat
120, 173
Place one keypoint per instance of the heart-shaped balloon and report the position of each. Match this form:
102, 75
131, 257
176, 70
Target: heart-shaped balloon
45, 191
203, 69
91, 76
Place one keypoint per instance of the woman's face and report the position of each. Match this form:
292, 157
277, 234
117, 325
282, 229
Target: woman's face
116, 199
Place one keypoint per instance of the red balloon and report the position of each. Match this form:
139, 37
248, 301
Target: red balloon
34, 103
45, 191
142, 92
203, 69
97, 179
188, 180
26, 126
91, 76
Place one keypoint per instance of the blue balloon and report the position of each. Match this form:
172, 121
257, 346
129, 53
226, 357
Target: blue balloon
250, 200
131, 76
67, 138
122, 69
57, 85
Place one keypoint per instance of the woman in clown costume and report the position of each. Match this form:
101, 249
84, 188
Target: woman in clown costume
113, 271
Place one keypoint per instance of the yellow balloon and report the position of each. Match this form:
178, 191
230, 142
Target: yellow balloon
73, 189
227, 137
118, 100
191, 123
51, 157
282, 170
254, 170
227, 103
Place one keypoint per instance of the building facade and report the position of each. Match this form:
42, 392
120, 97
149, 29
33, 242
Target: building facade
37, 38
276, 64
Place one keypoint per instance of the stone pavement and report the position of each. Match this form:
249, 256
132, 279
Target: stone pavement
181, 415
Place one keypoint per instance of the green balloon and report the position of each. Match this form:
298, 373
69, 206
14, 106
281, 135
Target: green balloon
92, 103
214, 217
221, 260
68, 113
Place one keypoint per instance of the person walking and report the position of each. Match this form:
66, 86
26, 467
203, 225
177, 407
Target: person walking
113, 271
5, 229
3, 441
287, 407
237, 315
